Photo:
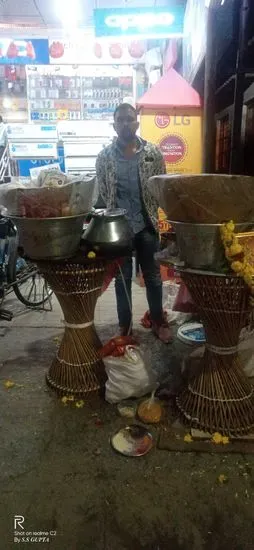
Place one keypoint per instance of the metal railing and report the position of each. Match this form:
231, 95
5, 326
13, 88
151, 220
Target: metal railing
5, 168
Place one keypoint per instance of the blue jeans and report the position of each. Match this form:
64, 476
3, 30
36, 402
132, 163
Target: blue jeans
146, 243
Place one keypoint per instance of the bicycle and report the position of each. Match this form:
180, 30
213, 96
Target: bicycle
18, 273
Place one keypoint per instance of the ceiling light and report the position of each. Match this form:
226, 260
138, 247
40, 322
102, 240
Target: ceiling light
7, 103
208, 2
68, 12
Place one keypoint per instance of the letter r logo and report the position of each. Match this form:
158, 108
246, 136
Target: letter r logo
18, 521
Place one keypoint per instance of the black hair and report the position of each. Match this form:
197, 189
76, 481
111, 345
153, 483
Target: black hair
125, 106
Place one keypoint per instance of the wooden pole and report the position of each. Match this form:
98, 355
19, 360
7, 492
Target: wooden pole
209, 128
236, 152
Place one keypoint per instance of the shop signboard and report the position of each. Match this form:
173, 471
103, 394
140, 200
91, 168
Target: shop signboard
150, 22
87, 51
178, 135
28, 51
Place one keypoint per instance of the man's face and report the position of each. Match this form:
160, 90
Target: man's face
126, 124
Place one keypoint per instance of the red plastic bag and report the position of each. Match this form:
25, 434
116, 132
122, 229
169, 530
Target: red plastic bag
111, 272
116, 346
183, 302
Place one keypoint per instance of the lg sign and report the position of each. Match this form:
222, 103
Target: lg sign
162, 120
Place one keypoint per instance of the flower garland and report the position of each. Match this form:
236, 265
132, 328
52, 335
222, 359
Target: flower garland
235, 255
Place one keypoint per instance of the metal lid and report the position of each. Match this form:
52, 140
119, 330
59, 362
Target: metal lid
115, 212
111, 213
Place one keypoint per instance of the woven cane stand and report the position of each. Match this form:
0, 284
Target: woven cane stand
220, 396
77, 368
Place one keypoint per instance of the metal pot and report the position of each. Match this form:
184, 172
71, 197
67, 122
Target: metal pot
109, 231
200, 245
50, 238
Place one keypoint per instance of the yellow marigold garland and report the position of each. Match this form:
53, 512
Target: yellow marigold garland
235, 255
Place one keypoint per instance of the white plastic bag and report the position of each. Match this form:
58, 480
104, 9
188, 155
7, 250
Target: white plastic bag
153, 60
83, 194
170, 290
128, 376
46, 198
10, 194
246, 350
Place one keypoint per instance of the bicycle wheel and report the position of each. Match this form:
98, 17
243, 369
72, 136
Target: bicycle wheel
27, 282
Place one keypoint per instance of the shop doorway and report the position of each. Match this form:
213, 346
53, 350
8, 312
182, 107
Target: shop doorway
249, 140
223, 136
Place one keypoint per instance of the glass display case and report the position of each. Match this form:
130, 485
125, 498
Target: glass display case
76, 92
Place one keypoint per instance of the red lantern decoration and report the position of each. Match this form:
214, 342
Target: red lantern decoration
116, 51
98, 50
56, 50
12, 51
30, 50
136, 49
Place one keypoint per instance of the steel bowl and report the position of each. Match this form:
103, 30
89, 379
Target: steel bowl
50, 238
200, 245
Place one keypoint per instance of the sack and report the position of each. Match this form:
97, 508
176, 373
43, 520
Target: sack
183, 301
205, 198
128, 376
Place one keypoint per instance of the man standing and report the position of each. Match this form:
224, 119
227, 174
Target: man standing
123, 170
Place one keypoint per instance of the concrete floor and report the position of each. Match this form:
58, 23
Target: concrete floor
59, 471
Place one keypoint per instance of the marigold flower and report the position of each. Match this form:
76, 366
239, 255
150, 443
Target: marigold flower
217, 438
237, 267
235, 249
9, 384
79, 404
222, 478
187, 438
230, 226
67, 398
